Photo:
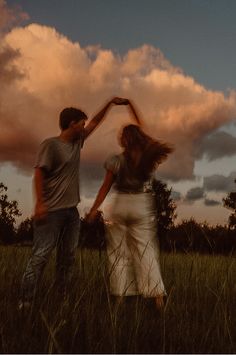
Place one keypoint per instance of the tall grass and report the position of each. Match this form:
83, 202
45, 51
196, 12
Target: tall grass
200, 316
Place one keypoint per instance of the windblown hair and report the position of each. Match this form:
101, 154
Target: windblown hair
153, 151
70, 114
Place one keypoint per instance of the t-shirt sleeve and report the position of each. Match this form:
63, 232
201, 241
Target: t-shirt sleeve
44, 157
112, 164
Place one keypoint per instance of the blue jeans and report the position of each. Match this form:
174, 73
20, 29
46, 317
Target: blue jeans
60, 230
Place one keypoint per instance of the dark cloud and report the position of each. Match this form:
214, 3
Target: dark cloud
176, 195
92, 174
220, 183
22, 147
89, 188
11, 16
209, 202
218, 145
8, 71
91, 170
196, 193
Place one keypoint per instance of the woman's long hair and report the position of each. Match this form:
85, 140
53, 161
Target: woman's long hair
153, 152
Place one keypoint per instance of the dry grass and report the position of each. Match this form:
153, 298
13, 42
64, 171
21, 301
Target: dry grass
200, 316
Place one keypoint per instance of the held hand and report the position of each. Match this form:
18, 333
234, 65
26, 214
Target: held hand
40, 211
91, 216
120, 101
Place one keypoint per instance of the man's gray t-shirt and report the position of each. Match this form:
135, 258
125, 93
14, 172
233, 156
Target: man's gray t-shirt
60, 162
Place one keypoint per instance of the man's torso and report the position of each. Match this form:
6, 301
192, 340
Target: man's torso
60, 163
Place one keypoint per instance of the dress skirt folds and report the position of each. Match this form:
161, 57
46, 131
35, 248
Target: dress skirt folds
132, 246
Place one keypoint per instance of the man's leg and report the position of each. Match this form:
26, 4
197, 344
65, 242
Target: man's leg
46, 234
66, 249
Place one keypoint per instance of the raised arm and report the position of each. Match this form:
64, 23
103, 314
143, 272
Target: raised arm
102, 193
97, 119
133, 111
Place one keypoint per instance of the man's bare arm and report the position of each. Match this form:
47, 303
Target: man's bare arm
97, 119
40, 208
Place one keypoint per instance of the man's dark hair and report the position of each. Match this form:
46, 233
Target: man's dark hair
70, 114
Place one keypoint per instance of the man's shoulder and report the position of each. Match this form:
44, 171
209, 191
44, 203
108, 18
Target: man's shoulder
59, 145
47, 145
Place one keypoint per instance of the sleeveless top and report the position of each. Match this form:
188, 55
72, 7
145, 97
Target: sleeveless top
126, 180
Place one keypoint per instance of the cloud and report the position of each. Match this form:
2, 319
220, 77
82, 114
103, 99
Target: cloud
44, 72
216, 183
176, 195
91, 173
8, 71
194, 194
211, 203
10, 16
219, 145
220, 183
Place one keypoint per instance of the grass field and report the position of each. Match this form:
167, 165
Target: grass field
200, 316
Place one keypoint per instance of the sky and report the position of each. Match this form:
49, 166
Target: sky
174, 59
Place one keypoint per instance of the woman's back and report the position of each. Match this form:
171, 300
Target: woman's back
127, 174
142, 153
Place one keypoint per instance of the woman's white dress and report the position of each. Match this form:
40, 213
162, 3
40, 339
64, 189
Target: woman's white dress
132, 245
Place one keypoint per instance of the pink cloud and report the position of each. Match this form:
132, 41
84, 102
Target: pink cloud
49, 72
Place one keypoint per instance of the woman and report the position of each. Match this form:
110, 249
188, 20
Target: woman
132, 247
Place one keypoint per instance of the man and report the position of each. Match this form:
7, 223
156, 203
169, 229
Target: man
56, 180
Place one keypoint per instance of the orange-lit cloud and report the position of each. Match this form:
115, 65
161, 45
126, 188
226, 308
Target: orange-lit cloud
44, 72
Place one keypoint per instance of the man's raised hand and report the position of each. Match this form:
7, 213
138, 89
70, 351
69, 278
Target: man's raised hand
122, 101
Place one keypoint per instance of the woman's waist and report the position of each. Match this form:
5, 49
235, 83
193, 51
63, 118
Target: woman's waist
132, 206
131, 199
146, 187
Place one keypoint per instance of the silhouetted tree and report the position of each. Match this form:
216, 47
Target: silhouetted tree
25, 231
230, 202
191, 236
8, 213
165, 209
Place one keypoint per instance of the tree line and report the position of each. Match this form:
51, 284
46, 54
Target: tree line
186, 236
